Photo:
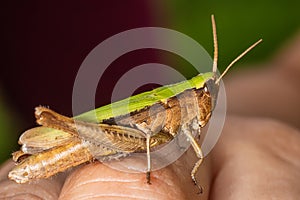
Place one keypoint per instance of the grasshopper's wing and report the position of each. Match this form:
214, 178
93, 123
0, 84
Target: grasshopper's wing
118, 138
42, 138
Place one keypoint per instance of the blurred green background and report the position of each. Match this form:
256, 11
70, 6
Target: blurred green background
239, 24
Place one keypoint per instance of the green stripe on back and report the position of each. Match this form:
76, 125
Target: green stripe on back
140, 101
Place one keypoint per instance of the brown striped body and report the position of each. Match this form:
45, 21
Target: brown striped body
50, 162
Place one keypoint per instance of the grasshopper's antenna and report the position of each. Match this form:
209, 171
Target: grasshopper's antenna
237, 58
215, 61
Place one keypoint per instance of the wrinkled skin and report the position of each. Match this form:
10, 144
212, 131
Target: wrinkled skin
256, 157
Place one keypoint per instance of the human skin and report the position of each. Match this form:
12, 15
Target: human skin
256, 157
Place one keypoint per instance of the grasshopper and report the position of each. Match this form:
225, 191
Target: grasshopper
154, 119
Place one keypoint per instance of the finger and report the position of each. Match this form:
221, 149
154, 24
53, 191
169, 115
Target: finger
257, 159
38, 189
96, 180
5, 168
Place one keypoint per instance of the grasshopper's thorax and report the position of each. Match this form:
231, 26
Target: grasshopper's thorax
197, 102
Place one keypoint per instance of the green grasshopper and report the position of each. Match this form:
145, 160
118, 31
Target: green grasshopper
139, 123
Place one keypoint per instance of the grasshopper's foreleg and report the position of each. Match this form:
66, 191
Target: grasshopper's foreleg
198, 152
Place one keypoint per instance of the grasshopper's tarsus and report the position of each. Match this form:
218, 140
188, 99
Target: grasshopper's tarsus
200, 189
193, 173
148, 177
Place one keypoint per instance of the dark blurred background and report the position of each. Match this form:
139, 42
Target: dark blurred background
43, 44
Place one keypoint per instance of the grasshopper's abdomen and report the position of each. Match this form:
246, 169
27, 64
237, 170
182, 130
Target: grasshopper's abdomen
48, 163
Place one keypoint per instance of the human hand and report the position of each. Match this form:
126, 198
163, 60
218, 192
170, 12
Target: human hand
254, 158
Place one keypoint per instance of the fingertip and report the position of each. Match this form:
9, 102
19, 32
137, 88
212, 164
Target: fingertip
40, 189
95, 180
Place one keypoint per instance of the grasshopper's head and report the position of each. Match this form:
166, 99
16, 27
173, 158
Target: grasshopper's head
213, 89
213, 83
